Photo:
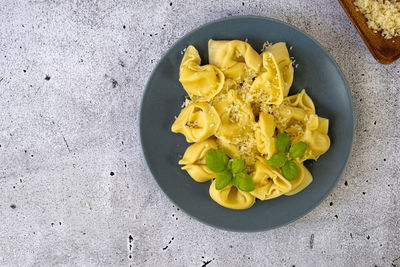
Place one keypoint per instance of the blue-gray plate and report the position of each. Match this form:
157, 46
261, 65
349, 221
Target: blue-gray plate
317, 73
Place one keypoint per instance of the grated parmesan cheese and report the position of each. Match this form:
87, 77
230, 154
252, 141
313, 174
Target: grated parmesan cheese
266, 45
382, 15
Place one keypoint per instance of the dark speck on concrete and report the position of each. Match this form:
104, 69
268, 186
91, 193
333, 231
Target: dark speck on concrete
112, 173
360, 99
31, 156
24, 70
121, 63
351, 235
345, 183
164, 248
114, 83
205, 263
384, 159
363, 193
124, 27
312, 241
374, 122
47, 78
331, 204
20, 180
13, 206
376, 169
170, 4
336, 216
368, 237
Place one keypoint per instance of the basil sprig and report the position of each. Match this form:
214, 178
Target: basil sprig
280, 160
228, 170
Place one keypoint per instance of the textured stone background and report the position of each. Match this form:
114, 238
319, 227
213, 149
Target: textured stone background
74, 189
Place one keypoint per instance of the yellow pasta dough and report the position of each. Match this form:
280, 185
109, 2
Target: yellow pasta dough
200, 82
197, 122
234, 58
194, 160
265, 132
269, 182
278, 55
236, 116
303, 179
238, 104
231, 197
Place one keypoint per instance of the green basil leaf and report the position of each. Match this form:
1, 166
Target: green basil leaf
230, 165
283, 142
237, 165
223, 179
235, 180
277, 161
244, 182
290, 170
298, 150
216, 160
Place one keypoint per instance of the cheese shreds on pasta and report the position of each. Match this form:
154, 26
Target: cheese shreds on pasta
382, 15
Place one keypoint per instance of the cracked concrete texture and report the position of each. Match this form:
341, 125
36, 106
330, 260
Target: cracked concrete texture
74, 187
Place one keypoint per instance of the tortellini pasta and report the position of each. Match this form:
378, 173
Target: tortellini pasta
194, 160
279, 56
236, 116
269, 182
234, 58
239, 104
231, 197
200, 82
265, 135
303, 179
316, 136
197, 122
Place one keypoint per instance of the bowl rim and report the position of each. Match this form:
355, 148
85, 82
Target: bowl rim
312, 206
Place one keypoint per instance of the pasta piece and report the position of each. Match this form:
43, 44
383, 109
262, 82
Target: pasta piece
316, 136
303, 179
278, 55
230, 149
265, 131
292, 115
202, 83
231, 197
236, 117
268, 88
301, 100
194, 160
268, 182
234, 58
197, 122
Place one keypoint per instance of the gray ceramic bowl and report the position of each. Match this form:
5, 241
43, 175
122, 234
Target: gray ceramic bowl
164, 95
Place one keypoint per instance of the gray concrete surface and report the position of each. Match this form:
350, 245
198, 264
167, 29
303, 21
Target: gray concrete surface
62, 138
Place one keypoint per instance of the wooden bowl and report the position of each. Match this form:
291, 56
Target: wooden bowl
385, 51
